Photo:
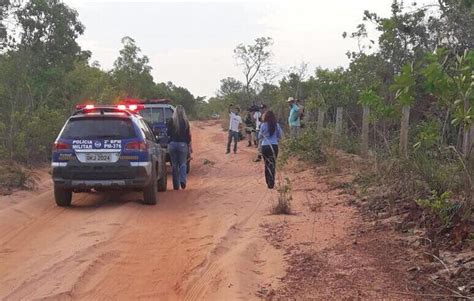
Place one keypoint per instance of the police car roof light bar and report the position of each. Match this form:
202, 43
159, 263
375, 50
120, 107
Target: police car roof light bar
82, 109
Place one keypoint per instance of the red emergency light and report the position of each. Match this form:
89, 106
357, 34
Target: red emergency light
130, 107
85, 107
121, 107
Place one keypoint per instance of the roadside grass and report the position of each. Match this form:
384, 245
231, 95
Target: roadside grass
283, 204
15, 176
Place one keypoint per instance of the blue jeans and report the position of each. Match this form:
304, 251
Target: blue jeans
235, 136
179, 155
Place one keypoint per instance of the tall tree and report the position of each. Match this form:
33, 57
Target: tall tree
132, 72
404, 85
254, 59
230, 86
49, 30
455, 26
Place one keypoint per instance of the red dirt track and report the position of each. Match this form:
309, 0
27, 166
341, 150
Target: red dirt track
215, 240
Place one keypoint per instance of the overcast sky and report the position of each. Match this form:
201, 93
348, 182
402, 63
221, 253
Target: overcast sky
191, 43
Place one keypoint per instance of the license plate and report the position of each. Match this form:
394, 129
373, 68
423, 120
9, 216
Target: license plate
98, 157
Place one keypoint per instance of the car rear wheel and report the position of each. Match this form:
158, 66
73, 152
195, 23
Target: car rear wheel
149, 192
63, 197
163, 181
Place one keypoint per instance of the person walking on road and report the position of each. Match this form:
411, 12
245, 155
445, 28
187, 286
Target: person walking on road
294, 118
259, 117
234, 125
179, 146
270, 134
249, 128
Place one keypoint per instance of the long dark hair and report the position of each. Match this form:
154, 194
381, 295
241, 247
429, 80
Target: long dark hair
270, 119
180, 120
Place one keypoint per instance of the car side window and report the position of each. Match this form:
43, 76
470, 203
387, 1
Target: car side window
146, 130
168, 114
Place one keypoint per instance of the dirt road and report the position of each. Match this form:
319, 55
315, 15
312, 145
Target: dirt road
215, 240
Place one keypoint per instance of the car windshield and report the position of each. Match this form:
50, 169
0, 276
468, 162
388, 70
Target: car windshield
153, 115
112, 128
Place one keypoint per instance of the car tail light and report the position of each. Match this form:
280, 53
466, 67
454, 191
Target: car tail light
61, 146
136, 146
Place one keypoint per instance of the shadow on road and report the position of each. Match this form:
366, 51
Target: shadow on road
95, 200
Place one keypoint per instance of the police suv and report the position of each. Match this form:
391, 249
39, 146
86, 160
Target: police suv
107, 148
158, 113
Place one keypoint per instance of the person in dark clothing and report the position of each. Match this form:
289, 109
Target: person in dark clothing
269, 135
249, 127
179, 146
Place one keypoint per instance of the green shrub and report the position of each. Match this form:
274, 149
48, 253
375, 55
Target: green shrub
427, 136
14, 176
400, 179
306, 146
442, 206
35, 134
441, 173
349, 144
283, 205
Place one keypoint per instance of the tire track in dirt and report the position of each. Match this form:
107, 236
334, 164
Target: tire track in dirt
201, 243
111, 247
208, 271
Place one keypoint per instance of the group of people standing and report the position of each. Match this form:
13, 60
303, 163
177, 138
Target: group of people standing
263, 130
261, 127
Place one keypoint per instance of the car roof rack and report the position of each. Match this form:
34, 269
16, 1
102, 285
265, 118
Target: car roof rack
146, 101
157, 101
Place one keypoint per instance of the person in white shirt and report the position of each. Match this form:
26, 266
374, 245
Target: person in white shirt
259, 116
234, 126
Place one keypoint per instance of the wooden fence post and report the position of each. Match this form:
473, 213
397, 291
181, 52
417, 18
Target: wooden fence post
320, 125
339, 111
365, 132
405, 123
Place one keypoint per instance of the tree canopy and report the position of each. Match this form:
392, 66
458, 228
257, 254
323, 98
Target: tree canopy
44, 73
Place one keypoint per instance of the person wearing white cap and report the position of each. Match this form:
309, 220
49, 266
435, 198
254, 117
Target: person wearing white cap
294, 120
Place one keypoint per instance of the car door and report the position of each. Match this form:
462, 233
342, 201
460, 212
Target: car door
153, 147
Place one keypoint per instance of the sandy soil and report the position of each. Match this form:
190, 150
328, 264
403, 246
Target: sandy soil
216, 240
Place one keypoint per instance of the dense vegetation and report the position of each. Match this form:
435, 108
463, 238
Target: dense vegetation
44, 73
405, 100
